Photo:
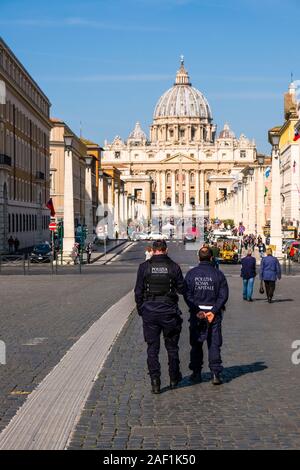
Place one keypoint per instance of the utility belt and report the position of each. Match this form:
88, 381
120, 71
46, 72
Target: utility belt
160, 298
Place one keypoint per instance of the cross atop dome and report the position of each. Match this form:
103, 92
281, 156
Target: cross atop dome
182, 77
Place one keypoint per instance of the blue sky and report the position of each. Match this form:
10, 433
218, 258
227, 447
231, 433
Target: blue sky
106, 62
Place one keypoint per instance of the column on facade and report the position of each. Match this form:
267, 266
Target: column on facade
252, 208
187, 187
276, 230
260, 200
158, 189
129, 215
110, 221
246, 206
88, 205
173, 186
116, 209
163, 187
197, 186
125, 208
69, 226
202, 188
100, 208
236, 207
240, 203
212, 198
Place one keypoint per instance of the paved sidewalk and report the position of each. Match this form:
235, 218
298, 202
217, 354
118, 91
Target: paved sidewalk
256, 408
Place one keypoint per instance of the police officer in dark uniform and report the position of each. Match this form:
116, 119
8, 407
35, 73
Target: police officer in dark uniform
159, 280
206, 295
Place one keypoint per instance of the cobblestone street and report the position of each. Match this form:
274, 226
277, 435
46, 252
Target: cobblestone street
257, 407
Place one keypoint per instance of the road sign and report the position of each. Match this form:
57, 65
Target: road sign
52, 226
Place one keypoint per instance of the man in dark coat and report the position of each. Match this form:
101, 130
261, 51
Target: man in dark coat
206, 295
270, 271
159, 280
248, 273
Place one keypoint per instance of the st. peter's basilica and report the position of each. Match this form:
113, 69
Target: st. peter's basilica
184, 162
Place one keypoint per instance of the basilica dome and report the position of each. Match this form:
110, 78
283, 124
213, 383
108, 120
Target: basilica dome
183, 100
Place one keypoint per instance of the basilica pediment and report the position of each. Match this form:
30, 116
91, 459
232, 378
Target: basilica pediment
179, 158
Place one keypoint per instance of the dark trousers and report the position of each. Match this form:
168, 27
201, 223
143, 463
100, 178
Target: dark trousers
270, 288
200, 331
170, 326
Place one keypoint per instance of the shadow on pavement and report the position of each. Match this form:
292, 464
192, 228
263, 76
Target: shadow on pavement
228, 374
273, 301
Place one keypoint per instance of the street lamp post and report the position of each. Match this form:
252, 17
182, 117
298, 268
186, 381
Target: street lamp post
276, 230
69, 226
88, 198
116, 207
110, 221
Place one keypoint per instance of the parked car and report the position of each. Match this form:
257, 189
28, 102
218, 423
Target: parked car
189, 238
139, 236
157, 236
41, 254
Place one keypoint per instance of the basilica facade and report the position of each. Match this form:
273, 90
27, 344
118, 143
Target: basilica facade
185, 161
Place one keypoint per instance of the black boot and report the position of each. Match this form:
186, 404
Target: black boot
216, 380
175, 382
155, 385
196, 377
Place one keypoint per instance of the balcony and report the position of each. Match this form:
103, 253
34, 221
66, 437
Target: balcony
40, 176
5, 160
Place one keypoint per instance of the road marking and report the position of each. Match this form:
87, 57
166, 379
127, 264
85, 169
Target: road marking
117, 256
50, 414
34, 341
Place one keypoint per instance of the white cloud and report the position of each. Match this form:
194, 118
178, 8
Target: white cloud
80, 23
107, 78
245, 95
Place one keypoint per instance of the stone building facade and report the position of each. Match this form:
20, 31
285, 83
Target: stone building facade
188, 163
24, 154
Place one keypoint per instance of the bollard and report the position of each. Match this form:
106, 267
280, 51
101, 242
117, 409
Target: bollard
284, 265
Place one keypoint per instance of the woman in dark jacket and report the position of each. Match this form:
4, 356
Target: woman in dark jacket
270, 271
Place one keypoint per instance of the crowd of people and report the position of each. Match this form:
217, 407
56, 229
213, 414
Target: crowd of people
13, 245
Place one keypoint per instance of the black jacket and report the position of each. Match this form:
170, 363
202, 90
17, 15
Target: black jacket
139, 289
248, 269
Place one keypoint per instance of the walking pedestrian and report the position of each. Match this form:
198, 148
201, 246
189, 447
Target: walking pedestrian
10, 244
270, 271
248, 273
148, 253
261, 248
159, 280
216, 254
17, 244
206, 293
89, 250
